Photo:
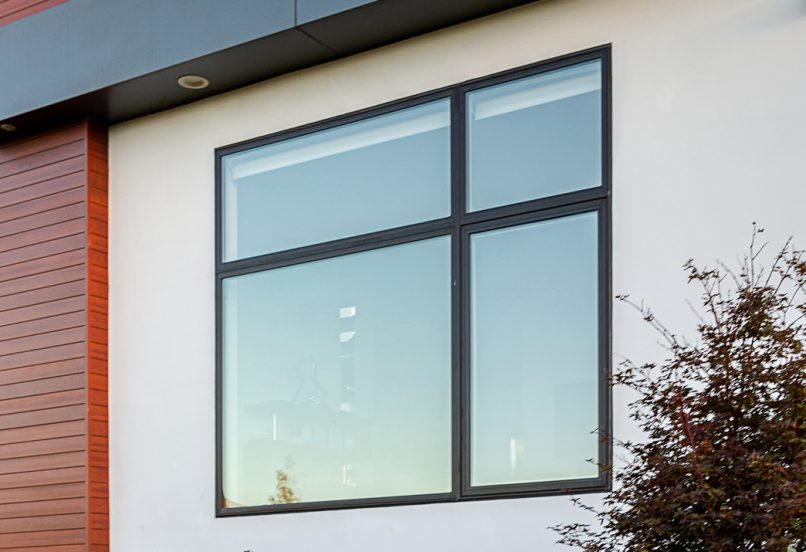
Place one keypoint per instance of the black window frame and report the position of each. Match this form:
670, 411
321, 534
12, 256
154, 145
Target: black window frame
459, 225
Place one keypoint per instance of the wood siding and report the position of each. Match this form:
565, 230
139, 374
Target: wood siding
12, 10
53, 305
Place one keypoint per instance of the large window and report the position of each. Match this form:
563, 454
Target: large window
413, 301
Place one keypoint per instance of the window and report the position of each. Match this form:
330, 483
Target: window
413, 301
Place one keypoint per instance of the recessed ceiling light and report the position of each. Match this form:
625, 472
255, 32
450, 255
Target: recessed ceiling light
193, 82
8, 127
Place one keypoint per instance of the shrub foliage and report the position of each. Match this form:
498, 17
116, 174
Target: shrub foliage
722, 464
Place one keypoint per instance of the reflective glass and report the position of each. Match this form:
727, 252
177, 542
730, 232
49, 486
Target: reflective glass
380, 173
534, 351
535, 137
337, 378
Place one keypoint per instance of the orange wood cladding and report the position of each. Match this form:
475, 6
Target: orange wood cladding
53, 343
12, 10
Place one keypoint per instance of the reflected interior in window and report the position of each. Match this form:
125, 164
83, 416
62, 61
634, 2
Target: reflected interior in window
337, 378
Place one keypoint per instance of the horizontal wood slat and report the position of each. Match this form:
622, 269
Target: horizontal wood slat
50, 446
39, 311
43, 508
35, 190
29, 284
39, 205
53, 305
41, 341
44, 174
43, 325
42, 356
38, 388
43, 371
44, 492
42, 462
40, 539
45, 218
43, 234
41, 158
43, 249
58, 399
44, 416
45, 294
42, 523
48, 139
43, 477
57, 548
42, 432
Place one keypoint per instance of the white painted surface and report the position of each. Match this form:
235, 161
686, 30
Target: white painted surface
709, 135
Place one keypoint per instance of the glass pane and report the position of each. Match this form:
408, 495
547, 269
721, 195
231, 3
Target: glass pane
363, 177
534, 351
337, 376
535, 137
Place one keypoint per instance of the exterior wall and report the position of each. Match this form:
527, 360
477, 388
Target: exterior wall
709, 136
53, 477
97, 305
12, 10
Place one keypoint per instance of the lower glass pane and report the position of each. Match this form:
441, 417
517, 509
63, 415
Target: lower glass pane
337, 378
534, 351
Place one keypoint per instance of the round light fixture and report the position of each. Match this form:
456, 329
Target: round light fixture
193, 82
8, 127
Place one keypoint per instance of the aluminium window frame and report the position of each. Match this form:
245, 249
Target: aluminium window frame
460, 225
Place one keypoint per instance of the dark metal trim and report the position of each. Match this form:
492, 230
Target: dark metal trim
542, 204
457, 193
605, 346
353, 244
219, 300
459, 225
606, 280
553, 488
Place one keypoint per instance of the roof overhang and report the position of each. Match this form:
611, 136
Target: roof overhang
115, 60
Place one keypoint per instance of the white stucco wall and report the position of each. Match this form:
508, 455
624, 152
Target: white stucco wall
709, 117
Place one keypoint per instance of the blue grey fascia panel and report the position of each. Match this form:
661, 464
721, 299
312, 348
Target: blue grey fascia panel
114, 60
86, 45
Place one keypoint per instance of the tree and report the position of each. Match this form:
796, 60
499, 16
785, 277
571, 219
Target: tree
285, 494
722, 465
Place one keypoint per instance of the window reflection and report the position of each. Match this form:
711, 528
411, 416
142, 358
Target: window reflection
534, 347
535, 137
337, 377
379, 173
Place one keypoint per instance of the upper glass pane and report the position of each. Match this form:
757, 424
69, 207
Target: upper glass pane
534, 352
380, 173
337, 378
535, 137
